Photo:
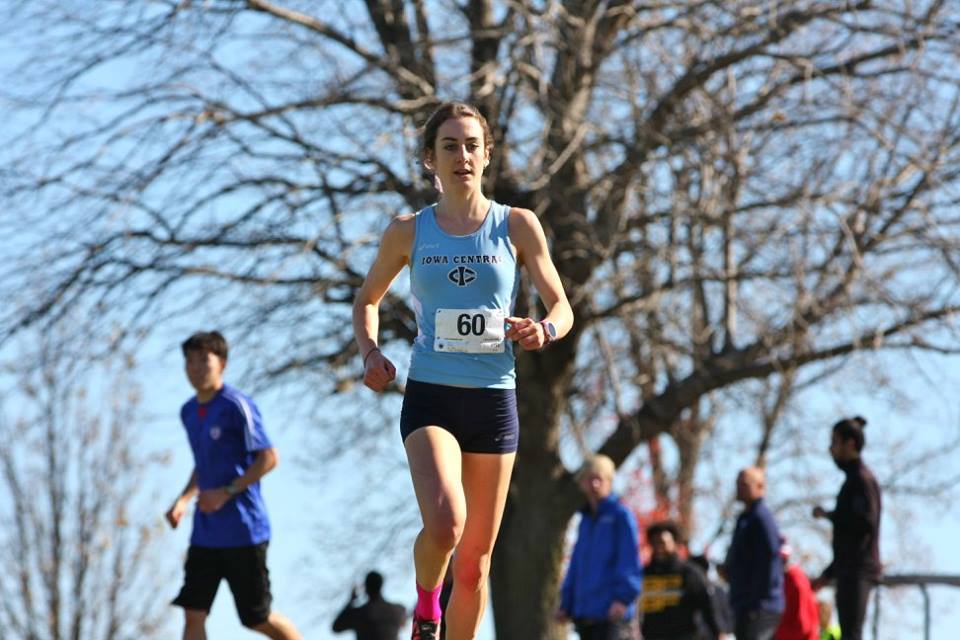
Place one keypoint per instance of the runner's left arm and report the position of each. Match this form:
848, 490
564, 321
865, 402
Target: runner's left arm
527, 235
266, 460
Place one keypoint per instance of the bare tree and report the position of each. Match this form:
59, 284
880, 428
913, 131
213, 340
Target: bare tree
81, 563
735, 191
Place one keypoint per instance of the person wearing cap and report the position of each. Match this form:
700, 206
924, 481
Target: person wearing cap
800, 619
856, 567
600, 590
753, 567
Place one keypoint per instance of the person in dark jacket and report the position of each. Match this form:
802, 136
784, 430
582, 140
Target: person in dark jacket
753, 567
603, 580
376, 619
674, 590
856, 567
719, 598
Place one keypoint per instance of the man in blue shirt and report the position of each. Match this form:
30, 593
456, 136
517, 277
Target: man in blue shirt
753, 568
603, 580
231, 529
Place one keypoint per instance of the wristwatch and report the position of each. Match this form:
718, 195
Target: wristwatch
549, 331
231, 489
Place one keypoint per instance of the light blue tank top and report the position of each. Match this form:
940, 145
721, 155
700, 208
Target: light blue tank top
467, 282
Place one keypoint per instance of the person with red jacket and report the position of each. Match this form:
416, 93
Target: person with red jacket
801, 617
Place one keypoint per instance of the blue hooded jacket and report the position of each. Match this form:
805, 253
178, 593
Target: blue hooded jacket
605, 565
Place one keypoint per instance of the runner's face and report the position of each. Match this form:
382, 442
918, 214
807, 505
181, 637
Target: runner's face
459, 155
204, 370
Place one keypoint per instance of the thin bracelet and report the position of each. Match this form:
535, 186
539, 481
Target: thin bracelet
368, 355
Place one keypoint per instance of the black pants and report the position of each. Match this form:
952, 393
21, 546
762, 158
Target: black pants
757, 625
853, 593
606, 629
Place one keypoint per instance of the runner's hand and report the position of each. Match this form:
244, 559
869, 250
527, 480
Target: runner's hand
527, 332
378, 371
175, 513
212, 500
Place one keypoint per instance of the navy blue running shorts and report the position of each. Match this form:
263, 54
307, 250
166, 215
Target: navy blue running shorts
482, 420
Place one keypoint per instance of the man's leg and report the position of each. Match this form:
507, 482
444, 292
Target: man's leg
770, 620
278, 627
200, 582
627, 630
593, 630
853, 594
757, 625
249, 580
741, 627
194, 628
764, 625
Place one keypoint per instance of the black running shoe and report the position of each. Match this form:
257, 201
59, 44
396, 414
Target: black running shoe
425, 629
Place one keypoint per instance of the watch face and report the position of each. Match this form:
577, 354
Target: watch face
551, 329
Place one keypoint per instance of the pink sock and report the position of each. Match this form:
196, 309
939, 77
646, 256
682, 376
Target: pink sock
428, 603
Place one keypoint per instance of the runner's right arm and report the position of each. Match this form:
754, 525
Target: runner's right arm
175, 513
392, 256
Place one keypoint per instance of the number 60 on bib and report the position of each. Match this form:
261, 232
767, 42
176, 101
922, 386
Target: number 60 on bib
469, 330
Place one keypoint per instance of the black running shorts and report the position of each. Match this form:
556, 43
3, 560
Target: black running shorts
482, 420
245, 570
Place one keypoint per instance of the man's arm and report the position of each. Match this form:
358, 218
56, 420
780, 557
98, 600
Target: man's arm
175, 513
567, 587
346, 619
213, 499
629, 573
768, 555
865, 508
697, 588
265, 462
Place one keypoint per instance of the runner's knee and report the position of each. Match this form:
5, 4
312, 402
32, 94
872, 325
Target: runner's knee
445, 530
258, 623
470, 571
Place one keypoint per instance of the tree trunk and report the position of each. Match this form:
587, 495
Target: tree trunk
527, 564
528, 560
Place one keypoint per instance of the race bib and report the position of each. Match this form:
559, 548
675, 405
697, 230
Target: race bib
469, 331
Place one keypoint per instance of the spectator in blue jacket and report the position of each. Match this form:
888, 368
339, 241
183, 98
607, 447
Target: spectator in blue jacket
753, 568
600, 590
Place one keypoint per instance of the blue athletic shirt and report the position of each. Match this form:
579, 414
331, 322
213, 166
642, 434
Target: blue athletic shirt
225, 435
457, 274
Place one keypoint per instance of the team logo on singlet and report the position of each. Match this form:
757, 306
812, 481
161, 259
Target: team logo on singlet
462, 276
214, 432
